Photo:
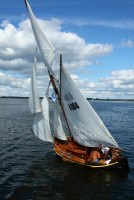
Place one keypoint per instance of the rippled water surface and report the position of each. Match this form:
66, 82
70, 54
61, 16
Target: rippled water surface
30, 170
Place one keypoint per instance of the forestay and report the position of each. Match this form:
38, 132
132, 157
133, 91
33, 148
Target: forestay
86, 127
34, 101
46, 48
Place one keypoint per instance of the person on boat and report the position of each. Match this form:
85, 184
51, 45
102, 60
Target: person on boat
115, 153
107, 152
96, 156
110, 154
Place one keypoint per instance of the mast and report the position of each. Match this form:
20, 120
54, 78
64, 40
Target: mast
60, 75
59, 94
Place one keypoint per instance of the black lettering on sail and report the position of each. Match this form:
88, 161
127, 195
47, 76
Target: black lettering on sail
76, 105
68, 97
73, 106
69, 105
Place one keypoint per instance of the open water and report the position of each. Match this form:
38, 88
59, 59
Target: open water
30, 170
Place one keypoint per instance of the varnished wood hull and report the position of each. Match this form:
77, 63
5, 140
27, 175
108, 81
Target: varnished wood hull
78, 155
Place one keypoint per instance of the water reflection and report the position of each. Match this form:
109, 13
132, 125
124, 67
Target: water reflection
54, 179
92, 183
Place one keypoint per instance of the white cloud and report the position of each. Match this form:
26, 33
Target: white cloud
127, 43
18, 44
18, 49
11, 86
19, 85
118, 24
120, 84
74, 77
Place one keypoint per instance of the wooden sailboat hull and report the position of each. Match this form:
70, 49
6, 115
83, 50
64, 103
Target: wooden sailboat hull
79, 156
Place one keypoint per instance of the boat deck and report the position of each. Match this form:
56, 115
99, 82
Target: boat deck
71, 151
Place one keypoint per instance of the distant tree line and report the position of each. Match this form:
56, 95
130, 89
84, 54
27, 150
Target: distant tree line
90, 99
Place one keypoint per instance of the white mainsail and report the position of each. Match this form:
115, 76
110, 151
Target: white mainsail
46, 48
58, 129
86, 127
41, 126
34, 100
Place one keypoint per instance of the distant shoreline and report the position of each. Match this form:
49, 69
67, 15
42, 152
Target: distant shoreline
90, 99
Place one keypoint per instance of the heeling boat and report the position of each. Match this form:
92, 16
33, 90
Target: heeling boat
85, 130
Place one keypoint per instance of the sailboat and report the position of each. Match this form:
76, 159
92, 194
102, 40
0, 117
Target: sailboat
85, 135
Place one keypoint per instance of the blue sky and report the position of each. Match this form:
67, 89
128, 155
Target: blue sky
95, 36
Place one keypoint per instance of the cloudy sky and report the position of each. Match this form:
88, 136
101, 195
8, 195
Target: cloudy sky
95, 37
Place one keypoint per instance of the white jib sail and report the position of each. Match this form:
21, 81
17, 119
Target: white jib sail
86, 127
58, 129
41, 126
34, 100
46, 48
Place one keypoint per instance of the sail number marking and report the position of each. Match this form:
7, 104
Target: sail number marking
73, 106
68, 97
